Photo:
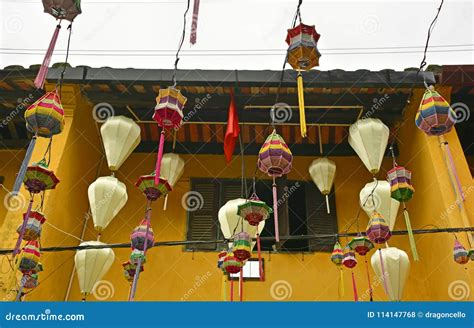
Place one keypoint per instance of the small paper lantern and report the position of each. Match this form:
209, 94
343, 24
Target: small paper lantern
172, 168
460, 254
231, 264
136, 255
29, 257
152, 190
378, 230
369, 137
242, 246
435, 117
220, 259
30, 281
33, 226
62, 9
302, 52
376, 196
337, 254
254, 211
45, 117
120, 136
349, 260
38, 178
361, 245
400, 183
129, 270
322, 172
141, 233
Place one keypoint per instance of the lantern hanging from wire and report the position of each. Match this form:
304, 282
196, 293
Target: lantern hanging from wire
378, 230
129, 269
141, 234
169, 115
152, 190
44, 118
391, 265
120, 136
376, 196
302, 55
232, 265
402, 191
369, 138
92, 265
255, 211
323, 171
349, 261
172, 168
242, 248
59, 9
337, 256
362, 245
275, 159
460, 254
33, 226
29, 257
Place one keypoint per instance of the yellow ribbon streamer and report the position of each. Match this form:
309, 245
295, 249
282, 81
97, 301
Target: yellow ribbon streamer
299, 81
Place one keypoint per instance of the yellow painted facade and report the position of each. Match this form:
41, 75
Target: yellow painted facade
173, 274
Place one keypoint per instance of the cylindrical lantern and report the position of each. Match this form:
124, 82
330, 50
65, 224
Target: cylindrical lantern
45, 117
435, 117
29, 257
242, 248
376, 196
391, 265
33, 227
378, 230
369, 138
349, 260
400, 183
323, 171
107, 196
141, 233
361, 245
92, 265
120, 136
460, 254
337, 256
231, 264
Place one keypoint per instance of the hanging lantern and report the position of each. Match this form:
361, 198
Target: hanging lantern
169, 115
59, 9
29, 257
137, 255
129, 270
254, 211
242, 246
172, 168
337, 256
378, 230
107, 196
302, 55
274, 159
141, 233
349, 260
120, 136
33, 226
391, 265
369, 137
461, 255
31, 281
435, 117
39, 178
322, 172
92, 265
151, 189
44, 118
220, 259
231, 264
361, 245
376, 196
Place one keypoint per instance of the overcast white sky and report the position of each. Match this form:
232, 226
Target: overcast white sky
240, 34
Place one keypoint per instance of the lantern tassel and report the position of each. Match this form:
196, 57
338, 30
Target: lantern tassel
159, 158
368, 280
231, 289
241, 284
354, 287
327, 204
411, 237
259, 252
341, 282
22, 229
194, 22
299, 80
165, 203
224, 287
453, 170
383, 273
275, 211
43, 71
24, 166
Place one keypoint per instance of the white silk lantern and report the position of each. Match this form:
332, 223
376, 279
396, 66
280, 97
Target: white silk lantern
172, 168
323, 171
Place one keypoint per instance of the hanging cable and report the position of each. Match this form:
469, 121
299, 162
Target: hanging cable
183, 35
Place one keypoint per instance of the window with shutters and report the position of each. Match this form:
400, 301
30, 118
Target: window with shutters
301, 212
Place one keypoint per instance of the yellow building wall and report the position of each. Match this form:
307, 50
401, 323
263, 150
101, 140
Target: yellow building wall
172, 274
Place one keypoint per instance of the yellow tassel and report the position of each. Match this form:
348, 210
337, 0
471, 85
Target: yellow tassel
411, 237
224, 288
341, 282
299, 80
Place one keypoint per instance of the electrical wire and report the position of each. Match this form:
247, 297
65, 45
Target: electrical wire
183, 35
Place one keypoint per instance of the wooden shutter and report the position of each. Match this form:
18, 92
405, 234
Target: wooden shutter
203, 223
318, 220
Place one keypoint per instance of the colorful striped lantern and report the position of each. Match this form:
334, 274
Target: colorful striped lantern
59, 9
231, 264
137, 255
29, 257
34, 223
275, 160
361, 245
169, 115
337, 256
220, 259
460, 254
152, 189
44, 118
350, 261
31, 281
402, 191
378, 230
435, 117
302, 55
242, 246
141, 233
129, 270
